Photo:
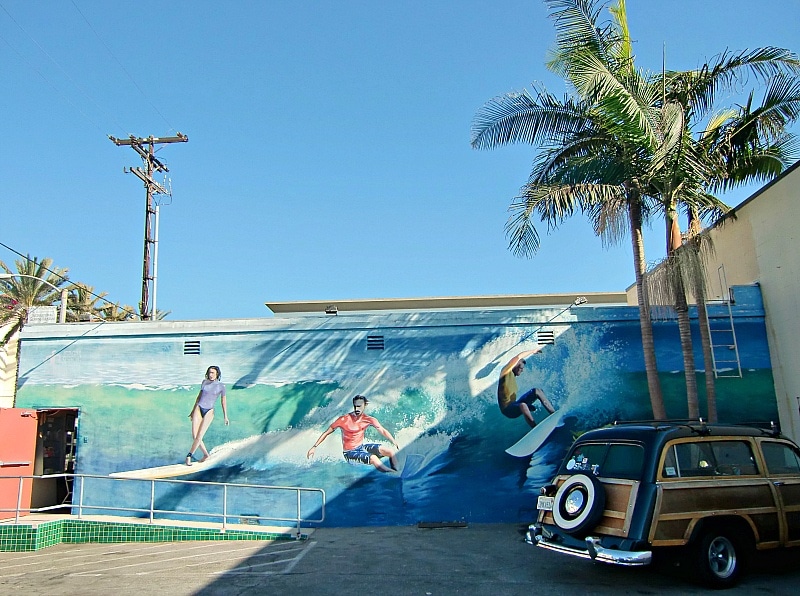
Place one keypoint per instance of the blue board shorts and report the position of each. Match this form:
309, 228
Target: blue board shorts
512, 410
362, 453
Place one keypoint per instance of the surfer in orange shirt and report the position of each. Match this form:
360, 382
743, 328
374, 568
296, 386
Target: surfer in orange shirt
512, 406
353, 426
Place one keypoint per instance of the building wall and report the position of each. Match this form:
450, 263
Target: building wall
762, 244
8, 370
431, 378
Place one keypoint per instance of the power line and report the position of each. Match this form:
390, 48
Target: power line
66, 279
47, 81
61, 68
85, 94
125, 70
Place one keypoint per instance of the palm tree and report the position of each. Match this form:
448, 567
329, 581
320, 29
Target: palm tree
83, 303
115, 312
736, 146
599, 149
631, 135
32, 286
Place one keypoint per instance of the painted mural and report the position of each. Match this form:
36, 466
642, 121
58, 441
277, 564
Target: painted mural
426, 440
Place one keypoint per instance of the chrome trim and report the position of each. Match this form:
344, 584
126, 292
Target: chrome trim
595, 552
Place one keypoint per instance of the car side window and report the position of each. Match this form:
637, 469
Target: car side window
734, 458
709, 458
780, 457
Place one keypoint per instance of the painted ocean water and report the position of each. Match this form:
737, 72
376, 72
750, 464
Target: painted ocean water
433, 387
452, 447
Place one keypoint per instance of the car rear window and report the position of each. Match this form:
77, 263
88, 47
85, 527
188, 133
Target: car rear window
607, 460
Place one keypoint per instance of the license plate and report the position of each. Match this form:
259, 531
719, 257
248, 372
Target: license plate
545, 503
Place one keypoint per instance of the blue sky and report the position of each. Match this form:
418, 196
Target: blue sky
328, 154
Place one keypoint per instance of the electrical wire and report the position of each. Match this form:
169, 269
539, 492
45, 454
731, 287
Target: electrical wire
85, 94
43, 77
125, 70
66, 279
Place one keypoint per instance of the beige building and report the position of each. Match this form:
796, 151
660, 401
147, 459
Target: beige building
761, 244
758, 243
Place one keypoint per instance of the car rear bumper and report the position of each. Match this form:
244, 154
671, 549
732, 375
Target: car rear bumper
593, 551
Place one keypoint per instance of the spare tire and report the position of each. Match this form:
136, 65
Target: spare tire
579, 504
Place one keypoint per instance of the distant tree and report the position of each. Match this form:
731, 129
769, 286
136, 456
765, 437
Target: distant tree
83, 303
19, 295
114, 312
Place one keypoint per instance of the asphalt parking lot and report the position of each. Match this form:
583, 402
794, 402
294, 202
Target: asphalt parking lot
479, 559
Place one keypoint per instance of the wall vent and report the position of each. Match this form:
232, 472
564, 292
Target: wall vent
191, 347
545, 338
375, 342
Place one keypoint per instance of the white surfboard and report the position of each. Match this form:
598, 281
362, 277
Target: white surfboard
537, 435
170, 471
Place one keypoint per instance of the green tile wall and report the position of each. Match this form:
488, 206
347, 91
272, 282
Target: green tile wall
22, 537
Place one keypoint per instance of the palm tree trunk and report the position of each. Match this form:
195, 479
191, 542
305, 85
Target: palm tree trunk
708, 359
702, 319
685, 332
13, 339
674, 242
648, 344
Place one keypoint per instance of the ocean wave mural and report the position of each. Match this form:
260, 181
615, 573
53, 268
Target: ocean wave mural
431, 381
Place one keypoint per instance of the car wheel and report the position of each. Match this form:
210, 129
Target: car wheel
579, 504
719, 558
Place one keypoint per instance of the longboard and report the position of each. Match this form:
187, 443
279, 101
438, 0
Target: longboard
170, 471
537, 435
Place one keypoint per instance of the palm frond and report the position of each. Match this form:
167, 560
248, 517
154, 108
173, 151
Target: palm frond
553, 203
524, 118
699, 88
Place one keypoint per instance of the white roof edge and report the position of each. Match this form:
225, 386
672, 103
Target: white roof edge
444, 302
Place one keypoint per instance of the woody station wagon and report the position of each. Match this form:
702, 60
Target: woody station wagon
717, 491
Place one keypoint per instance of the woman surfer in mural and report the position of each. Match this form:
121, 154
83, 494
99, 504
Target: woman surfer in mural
510, 405
353, 426
202, 413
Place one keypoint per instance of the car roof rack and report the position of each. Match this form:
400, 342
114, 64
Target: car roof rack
672, 421
770, 427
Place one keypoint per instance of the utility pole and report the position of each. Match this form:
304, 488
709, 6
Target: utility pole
145, 147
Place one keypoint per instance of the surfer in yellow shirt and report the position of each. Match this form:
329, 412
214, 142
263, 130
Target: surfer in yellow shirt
512, 406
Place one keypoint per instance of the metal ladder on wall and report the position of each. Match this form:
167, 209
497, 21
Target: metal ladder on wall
724, 349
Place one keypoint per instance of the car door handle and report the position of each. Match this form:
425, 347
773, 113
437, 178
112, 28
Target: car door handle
778, 482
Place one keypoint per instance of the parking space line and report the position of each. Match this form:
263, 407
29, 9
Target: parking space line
138, 552
292, 563
138, 559
304, 552
158, 562
256, 556
88, 552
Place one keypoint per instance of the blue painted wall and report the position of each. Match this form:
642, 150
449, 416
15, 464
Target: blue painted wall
433, 386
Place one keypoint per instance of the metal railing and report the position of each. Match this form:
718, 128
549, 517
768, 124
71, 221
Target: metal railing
222, 513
